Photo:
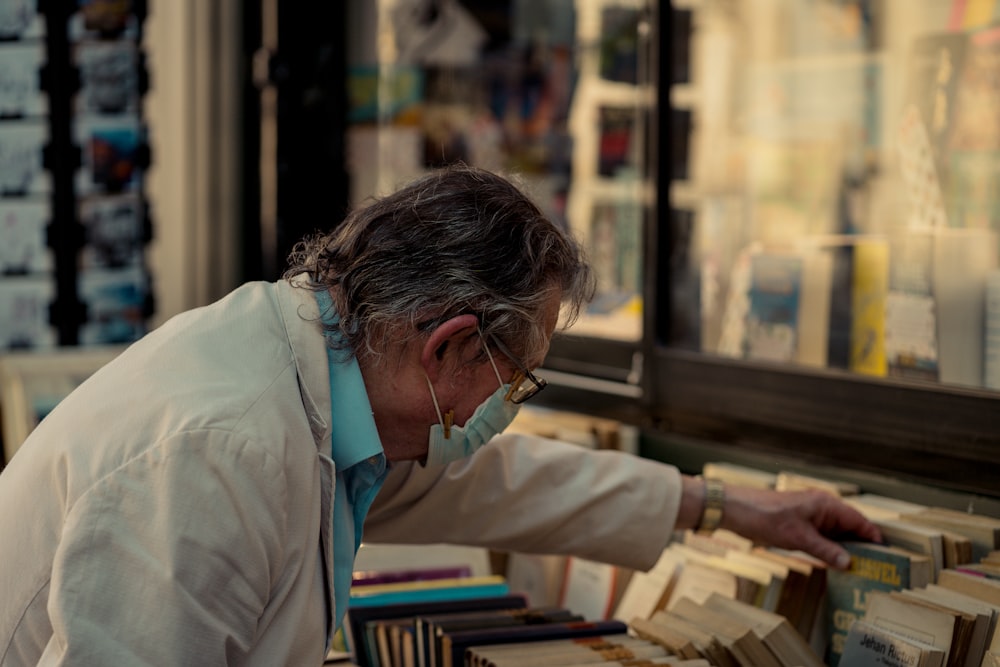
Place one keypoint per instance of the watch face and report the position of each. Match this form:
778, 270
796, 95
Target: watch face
715, 498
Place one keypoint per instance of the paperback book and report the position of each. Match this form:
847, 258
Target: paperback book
874, 567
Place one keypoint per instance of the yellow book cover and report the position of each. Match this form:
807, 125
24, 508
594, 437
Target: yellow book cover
375, 589
869, 290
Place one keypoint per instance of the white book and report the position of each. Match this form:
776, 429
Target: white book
991, 367
647, 592
870, 645
963, 260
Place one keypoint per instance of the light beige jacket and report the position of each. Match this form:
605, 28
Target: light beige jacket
175, 509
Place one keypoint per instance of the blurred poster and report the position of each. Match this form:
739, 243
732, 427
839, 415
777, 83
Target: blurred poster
24, 312
23, 226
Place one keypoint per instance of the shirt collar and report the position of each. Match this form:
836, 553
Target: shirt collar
353, 432
354, 435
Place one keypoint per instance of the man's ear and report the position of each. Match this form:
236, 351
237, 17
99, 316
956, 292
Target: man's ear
445, 343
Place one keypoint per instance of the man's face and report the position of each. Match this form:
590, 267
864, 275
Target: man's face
483, 380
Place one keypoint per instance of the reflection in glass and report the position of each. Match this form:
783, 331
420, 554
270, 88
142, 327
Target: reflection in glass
842, 175
554, 92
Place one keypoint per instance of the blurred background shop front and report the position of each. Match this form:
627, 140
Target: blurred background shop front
791, 204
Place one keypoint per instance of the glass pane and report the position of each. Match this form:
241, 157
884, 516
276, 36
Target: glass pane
555, 92
842, 186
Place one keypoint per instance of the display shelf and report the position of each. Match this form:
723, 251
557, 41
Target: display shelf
72, 140
691, 454
793, 134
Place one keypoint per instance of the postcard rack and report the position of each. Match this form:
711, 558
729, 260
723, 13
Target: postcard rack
73, 154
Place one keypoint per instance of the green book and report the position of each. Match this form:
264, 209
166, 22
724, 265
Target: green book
874, 567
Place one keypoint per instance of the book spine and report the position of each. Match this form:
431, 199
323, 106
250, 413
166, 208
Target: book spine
431, 595
869, 290
455, 645
376, 577
839, 332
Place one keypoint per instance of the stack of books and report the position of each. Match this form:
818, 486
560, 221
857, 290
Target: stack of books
451, 632
721, 598
375, 622
478, 620
950, 623
928, 595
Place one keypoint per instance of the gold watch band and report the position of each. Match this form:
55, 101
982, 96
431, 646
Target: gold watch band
715, 499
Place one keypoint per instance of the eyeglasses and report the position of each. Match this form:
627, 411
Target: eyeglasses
524, 384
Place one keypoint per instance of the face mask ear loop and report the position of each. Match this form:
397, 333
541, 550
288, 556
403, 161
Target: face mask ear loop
490, 357
446, 426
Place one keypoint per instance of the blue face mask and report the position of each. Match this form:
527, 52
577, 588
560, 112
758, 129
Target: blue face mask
448, 443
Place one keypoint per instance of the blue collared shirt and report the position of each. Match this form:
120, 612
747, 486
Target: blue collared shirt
358, 456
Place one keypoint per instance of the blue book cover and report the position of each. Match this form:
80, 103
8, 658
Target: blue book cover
429, 594
773, 313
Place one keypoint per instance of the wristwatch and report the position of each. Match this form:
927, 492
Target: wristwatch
715, 499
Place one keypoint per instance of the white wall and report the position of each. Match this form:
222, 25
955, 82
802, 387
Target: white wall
192, 110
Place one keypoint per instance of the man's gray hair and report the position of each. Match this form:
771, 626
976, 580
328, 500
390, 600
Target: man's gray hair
459, 240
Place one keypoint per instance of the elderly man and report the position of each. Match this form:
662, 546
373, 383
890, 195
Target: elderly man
200, 499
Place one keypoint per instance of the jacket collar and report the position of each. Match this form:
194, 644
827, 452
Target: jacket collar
301, 318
